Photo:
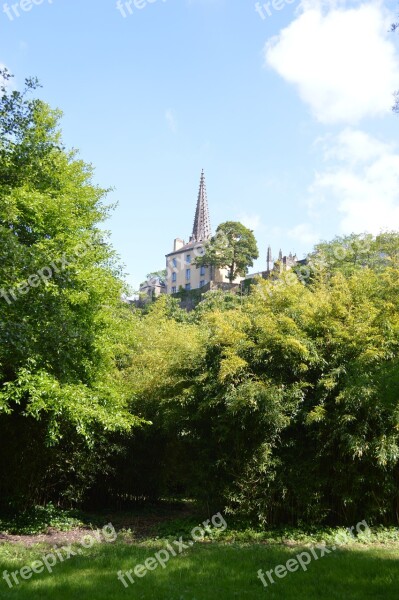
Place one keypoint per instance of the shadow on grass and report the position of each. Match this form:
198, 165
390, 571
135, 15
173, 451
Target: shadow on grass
207, 572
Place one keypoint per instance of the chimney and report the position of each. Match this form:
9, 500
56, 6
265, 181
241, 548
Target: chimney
178, 244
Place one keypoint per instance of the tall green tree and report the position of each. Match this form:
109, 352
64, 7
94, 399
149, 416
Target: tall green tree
62, 325
233, 247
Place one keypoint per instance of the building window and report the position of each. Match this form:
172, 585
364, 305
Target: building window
174, 289
202, 271
188, 274
173, 277
174, 262
188, 258
202, 283
188, 286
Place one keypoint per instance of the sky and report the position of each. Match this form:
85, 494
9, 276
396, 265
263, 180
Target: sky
286, 105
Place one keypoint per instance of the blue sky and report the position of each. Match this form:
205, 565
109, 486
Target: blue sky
289, 114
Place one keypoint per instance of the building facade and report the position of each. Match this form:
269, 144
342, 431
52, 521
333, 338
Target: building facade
153, 287
274, 267
182, 272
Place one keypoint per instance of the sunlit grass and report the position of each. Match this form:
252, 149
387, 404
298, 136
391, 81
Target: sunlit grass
206, 571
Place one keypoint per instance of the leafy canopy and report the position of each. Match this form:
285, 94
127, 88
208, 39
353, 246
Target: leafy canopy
61, 322
233, 247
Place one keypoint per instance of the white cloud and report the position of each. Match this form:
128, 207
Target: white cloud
342, 59
304, 234
363, 182
253, 222
171, 120
353, 146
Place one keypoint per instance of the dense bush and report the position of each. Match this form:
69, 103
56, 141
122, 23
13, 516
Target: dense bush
284, 405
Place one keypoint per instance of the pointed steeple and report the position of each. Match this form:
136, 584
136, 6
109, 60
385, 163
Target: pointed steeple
202, 224
269, 258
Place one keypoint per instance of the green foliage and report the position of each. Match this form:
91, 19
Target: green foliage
157, 275
39, 519
161, 274
281, 406
217, 300
62, 326
233, 247
243, 531
351, 253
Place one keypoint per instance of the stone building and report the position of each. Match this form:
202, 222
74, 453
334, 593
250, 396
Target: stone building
153, 287
275, 266
182, 273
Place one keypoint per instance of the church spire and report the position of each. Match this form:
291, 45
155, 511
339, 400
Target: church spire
202, 224
269, 259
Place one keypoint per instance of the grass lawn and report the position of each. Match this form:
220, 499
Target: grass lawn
212, 570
